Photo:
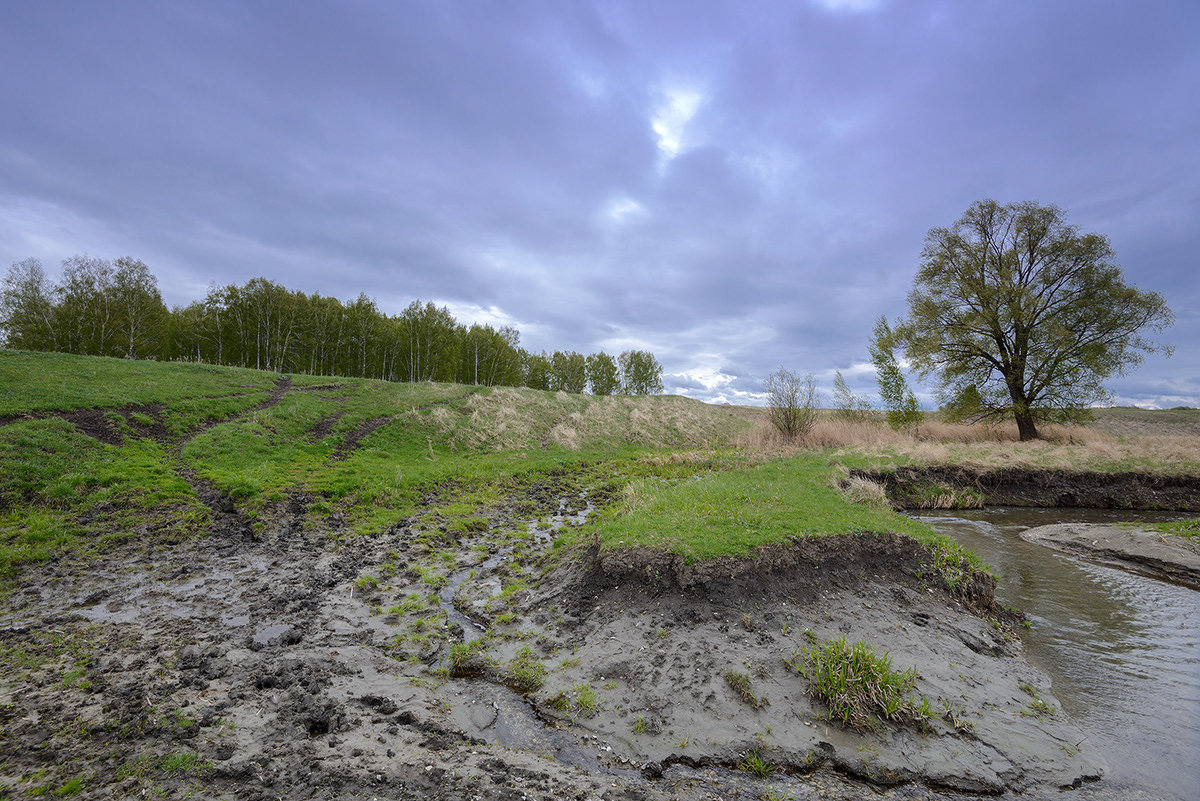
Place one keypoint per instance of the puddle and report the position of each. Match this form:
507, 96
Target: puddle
544, 529
502, 716
264, 636
446, 596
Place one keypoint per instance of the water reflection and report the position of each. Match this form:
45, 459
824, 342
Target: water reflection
1122, 650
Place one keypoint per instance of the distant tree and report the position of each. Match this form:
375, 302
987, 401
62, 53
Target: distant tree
1033, 314
489, 356
140, 312
364, 331
964, 405
602, 374
641, 374
430, 341
85, 316
569, 371
848, 404
538, 374
903, 410
27, 308
324, 336
792, 403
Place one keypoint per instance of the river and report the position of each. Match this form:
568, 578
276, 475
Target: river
1122, 650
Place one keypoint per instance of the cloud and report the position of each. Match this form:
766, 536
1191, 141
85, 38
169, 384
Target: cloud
732, 186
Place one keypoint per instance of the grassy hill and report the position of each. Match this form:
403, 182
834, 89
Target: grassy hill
116, 448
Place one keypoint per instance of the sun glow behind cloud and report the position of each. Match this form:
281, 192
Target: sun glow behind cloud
671, 119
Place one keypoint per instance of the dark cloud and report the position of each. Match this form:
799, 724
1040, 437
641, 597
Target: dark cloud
734, 186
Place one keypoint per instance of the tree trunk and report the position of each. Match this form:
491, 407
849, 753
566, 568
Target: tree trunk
1021, 410
1025, 426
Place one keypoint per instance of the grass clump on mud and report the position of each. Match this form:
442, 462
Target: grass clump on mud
1188, 529
859, 688
740, 683
524, 673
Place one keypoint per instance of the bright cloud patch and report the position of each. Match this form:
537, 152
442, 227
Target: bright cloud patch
672, 117
623, 209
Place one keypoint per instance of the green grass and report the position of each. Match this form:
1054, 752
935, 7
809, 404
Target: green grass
1188, 529
524, 673
859, 688
57, 381
54, 474
61, 489
733, 512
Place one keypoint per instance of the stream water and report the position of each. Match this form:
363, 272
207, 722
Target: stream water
1122, 650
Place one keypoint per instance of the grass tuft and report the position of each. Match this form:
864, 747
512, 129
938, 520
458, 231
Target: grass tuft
859, 688
524, 673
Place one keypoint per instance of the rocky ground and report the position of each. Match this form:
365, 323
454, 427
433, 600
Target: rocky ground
1162, 556
455, 661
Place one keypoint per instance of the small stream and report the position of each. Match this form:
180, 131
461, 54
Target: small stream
1122, 650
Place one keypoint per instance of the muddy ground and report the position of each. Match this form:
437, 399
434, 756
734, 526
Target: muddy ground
1162, 556
452, 659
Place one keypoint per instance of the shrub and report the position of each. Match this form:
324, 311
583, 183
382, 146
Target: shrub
792, 403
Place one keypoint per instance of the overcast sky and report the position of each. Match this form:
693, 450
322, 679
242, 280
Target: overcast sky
734, 186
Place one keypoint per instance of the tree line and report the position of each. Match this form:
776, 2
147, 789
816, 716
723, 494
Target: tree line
103, 308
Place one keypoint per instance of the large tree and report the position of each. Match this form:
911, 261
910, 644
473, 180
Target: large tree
1016, 305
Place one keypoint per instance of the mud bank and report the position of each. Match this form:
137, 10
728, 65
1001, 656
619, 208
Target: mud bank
664, 638
1150, 552
293, 662
947, 487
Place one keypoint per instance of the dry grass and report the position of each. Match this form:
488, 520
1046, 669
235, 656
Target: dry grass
513, 419
1086, 447
865, 491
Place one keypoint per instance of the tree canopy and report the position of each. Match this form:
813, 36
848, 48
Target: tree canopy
641, 374
1017, 308
103, 308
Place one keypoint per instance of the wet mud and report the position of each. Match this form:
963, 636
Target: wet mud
450, 658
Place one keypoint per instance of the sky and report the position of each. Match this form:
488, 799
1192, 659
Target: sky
734, 186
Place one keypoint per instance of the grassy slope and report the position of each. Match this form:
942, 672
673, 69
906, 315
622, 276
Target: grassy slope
369, 451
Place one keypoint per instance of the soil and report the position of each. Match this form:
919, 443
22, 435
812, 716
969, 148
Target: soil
288, 660
1162, 556
909, 487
